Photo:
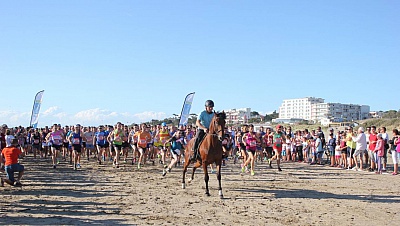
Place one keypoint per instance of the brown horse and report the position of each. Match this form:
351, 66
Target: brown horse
210, 150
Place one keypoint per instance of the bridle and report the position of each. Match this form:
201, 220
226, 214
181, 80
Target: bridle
216, 133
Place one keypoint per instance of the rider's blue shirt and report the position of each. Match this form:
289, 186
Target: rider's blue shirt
205, 118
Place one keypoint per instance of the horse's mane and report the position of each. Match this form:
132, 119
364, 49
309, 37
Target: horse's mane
221, 115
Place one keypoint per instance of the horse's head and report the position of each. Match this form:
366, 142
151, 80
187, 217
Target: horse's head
218, 125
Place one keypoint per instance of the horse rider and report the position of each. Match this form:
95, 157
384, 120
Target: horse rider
203, 124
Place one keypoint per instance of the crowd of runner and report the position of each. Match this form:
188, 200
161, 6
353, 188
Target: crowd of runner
150, 144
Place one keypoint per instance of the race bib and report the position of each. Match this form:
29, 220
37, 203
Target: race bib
142, 141
76, 141
253, 143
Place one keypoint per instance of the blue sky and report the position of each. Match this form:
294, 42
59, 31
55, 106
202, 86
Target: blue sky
107, 61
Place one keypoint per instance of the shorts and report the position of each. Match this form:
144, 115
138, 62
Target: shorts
278, 151
385, 151
77, 147
358, 153
372, 156
11, 169
36, 146
395, 157
350, 152
142, 150
65, 144
252, 151
100, 145
89, 146
117, 147
176, 152
269, 151
125, 144
57, 147
149, 145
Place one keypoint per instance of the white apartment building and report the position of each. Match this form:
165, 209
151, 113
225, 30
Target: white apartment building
337, 112
238, 116
311, 108
298, 108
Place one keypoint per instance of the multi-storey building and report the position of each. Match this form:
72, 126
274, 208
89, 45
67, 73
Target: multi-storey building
298, 108
311, 108
238, 116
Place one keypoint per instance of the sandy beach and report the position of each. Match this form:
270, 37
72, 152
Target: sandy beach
99, 194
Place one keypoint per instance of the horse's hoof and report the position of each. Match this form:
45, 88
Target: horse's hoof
207, 194
221, 197
220, 194
183, 186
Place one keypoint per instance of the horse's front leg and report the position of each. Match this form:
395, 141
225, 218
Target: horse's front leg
219, 180
206, 177
196, 165
185, 166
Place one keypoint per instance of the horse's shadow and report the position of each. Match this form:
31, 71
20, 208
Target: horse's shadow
313, 194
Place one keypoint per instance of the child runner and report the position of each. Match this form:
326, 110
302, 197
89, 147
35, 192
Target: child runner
177, 144
278, 139
379, 150
251, 147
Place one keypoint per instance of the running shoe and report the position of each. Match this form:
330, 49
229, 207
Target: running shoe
169, 170
138, 166
252, 173
18, 184
164, 172
279, 169
243, 169
54, 166
78, 166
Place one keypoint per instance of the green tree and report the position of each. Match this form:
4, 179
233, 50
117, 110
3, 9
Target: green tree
269, 117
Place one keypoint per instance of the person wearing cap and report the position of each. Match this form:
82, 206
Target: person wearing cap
11, 154
278, 139
203, 123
